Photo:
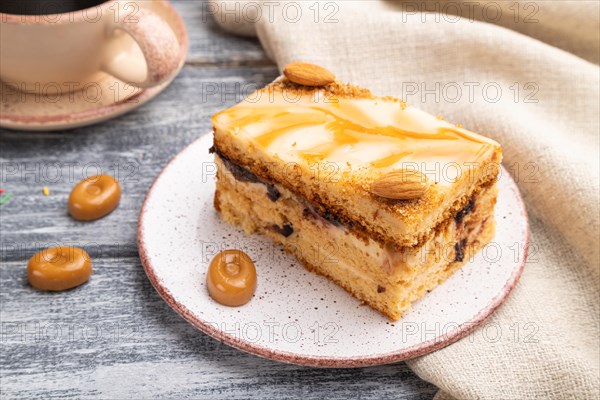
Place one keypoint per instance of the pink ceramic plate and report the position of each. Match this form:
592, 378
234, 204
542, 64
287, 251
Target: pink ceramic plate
99, 102
296, 316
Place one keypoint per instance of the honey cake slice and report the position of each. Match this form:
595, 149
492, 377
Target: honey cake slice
301, 164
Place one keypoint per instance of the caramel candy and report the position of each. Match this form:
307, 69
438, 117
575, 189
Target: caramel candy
59, 268
94, 197
231, 278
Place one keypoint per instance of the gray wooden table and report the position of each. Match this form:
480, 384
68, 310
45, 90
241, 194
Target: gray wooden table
114, 337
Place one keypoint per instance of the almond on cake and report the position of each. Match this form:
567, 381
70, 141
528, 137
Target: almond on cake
385, 200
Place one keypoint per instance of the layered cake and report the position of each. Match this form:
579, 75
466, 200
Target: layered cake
383, 199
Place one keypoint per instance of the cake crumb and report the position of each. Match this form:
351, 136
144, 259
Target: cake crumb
336, 89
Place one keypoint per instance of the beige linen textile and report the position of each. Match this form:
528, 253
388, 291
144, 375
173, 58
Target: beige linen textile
528, 77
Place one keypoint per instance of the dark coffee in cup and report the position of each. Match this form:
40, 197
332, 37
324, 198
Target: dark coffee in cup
43, 7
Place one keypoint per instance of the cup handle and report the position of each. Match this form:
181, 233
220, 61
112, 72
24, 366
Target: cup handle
156, 40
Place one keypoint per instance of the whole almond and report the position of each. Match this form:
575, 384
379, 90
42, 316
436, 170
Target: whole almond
404, 184
308, 74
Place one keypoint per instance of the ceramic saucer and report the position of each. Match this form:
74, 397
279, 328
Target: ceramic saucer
297, 316
97, 102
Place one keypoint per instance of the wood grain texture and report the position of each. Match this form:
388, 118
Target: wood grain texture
209, 44
114, 337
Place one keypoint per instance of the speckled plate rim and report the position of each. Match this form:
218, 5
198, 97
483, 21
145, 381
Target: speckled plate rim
420, 349
106, 112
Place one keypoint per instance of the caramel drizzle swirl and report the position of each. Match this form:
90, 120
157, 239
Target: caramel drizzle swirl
344, 131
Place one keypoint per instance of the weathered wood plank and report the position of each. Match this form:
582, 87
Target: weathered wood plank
209, 44
134, 147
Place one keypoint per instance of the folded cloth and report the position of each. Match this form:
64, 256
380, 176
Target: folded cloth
526, 74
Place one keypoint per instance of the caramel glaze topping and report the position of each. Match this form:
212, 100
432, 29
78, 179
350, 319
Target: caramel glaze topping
378, 133
231, 278
59, 268
94, 197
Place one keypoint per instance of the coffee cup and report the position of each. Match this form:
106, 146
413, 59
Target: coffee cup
63, 45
